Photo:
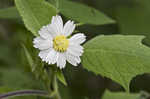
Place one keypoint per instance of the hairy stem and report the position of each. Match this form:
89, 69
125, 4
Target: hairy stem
24, 92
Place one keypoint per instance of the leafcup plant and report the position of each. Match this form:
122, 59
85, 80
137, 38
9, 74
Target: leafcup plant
118, 57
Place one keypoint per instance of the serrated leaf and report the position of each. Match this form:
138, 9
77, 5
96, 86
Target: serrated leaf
35, 13
9, 13
120, 95
61, 77
117, 57
82, 13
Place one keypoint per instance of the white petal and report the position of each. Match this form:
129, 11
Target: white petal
57, 19
75, 50
52, 57
78, 38
56, 25
43, 54
74, 60
44, 33
42, 44
78, 60
68, 28
61, 62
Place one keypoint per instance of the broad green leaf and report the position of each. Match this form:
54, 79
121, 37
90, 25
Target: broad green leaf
120, 95
54, 3
117, 57
35, 13
61, 77
82, 13
9, 13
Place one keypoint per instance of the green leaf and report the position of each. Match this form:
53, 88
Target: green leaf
29, 57
35, 13
82, 13
61, 77
120, 95
36, 66
9, 13
117, 57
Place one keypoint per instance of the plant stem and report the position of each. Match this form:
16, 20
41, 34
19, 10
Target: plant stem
57, 95
24, 92
52, 86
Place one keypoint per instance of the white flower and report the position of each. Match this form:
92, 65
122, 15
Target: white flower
56, 47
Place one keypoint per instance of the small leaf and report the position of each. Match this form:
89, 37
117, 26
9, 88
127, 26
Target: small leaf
9, 13
82, 13
36, 66
120, 95
61, 77
35, 13
29, 57
117, 57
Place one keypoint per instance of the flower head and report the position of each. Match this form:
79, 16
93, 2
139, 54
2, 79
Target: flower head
56, 47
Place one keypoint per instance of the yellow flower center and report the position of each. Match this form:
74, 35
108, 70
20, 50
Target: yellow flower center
60, 43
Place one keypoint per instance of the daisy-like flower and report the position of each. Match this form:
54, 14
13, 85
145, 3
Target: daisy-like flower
56, 47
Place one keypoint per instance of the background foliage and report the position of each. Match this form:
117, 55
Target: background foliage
115, 26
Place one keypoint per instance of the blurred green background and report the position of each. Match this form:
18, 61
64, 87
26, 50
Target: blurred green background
132, 17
